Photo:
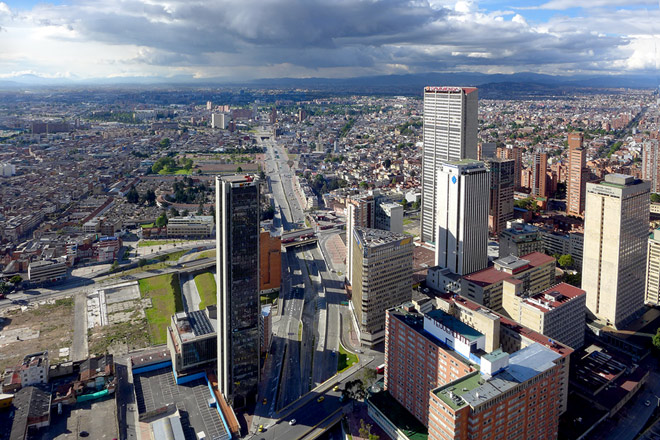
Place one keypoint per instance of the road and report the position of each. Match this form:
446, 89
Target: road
189, 292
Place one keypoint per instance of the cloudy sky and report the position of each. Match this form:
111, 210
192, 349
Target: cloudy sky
244, 39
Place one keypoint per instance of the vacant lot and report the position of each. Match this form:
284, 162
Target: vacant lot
165, 294
206, 287
119, 338
45, 325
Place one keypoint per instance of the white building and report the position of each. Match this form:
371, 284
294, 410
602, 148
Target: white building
46, 271
615, 244
197, 226
220, 120
389, 217
7, 169
652, 295
34, 369
450, 133
462, 216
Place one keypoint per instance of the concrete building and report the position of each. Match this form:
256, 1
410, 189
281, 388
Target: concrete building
486, 151
462, 216
34, 369
265, 327
559, 312
389, 217
450, 133
520, 239
652, 294
220, 120
578, 173
237, 268
513, 153
47, 271
360, 212
191, 226
270, 262
7, 169
382, 278
192, 339
540, 174
557, 243
536, 272
500, 209
615, 243
651, 164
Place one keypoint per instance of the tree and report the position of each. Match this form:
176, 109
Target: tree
655, 198
239, 170
363, 185
574, 279
565, 261
165, 142
404, 203
115, 266
365, 431
150, 197
132, 195
142, 262
16, 279
656, 340
416, 205
161, 220
387, 163
174, 212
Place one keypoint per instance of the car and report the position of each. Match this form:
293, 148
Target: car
320, 399
261, 428
265, 401
292, 422
647, 403
336, 388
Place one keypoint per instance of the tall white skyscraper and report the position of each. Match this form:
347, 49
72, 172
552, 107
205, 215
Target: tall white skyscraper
237, 266
462, 216
450, 133
616, 230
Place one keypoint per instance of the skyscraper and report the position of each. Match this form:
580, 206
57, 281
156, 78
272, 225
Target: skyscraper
651, 164
540, 174
514, 153
652, 295
462, 216
501, 193
577, 175
615, 242
237, 265
450, 133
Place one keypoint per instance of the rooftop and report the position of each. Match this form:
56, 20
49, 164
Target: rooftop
193, 324
554, 297
492, 275
455, 325
377, 237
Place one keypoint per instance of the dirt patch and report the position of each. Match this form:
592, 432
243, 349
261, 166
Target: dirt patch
119, 338
52, 319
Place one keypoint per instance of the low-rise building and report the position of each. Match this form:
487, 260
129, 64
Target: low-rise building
46, 271
520, 239
192, 226
192, 339
536, 272
34, 369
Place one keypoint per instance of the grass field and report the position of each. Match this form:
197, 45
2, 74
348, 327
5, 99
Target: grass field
147, 243
205, 254
165, 294
269, 298
345, 359
206, 287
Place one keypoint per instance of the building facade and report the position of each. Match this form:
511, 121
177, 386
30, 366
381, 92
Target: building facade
513, 153
270, 262
462, 216
237, 268
501, 194
520, 239
192, 226
450, 133
540, 174
652, 294
382, 278
577, 175
615, 243
651, 164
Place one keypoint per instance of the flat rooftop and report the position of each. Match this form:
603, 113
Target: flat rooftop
455, 325
376, 237
193, 324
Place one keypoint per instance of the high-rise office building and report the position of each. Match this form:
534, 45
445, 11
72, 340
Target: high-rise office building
540, 174
450, 133
462, 216
651, 164
652, 295
382, 278
501, 193
237, 266
577, 175
515, 154
615, 242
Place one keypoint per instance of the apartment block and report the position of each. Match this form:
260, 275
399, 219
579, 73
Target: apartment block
535, 272
578, 174
382, 278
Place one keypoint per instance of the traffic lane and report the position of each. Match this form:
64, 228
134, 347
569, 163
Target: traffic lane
307, 417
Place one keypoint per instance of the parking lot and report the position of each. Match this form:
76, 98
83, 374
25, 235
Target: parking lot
157, 389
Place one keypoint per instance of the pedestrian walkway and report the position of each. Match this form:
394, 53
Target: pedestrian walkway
360, 413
